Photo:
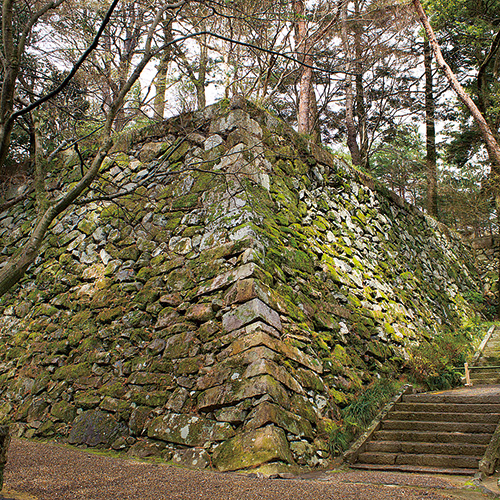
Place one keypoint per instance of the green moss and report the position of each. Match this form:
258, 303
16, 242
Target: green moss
188, 366
108, 315
72, 372
129, 253
149, 398
185, 202
87, 227
340, 354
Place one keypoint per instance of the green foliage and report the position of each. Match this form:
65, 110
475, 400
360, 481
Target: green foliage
437, 362
399, 162
357, 416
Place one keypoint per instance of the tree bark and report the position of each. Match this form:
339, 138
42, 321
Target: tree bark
304, 56
18, 264
430, 138
360, 91
491, 143
161, 75
352, 133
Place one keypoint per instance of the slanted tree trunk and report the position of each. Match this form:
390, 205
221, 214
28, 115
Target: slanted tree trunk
490, 141
430, 138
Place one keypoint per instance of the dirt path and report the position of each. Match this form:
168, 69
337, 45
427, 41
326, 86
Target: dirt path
47, 471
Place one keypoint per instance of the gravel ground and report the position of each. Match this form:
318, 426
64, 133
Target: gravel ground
48, 471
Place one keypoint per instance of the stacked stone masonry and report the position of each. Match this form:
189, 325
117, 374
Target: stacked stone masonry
219, 314
487, 250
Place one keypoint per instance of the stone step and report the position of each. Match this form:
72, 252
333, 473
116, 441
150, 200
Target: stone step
432, 460
432, 437
410, 425
487, 418
418, 469
450, 398
426, 448
448, 407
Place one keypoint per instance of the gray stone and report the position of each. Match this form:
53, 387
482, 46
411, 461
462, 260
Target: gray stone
212, 142
94, 427
194, 458
188, 430
249, 312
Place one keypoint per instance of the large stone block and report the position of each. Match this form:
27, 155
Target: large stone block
189, 430
267, 413
234, 392
253, 448
233, 367
226, 279
267, 367
94, 427
4, 446
260, 338
237, 118
246, 313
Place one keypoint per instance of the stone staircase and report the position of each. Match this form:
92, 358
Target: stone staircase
446, 432
452, 432
485, 368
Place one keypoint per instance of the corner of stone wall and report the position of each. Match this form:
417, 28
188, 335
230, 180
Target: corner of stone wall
255, 383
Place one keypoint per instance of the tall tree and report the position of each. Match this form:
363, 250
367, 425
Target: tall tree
430, 139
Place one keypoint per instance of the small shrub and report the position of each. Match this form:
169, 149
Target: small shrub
437, 362
357, 416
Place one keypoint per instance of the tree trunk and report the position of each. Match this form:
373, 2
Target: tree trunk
201, 81
490, 141
161, 75
305, 80
430, 139
360, 91
352, 134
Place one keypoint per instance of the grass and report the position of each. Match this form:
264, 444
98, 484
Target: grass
357, 416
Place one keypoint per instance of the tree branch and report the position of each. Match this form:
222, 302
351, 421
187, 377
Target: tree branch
74, 69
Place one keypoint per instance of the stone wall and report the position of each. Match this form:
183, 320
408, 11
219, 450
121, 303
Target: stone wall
220, 313
487, 250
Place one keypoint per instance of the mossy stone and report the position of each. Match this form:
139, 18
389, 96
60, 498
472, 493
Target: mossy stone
64, 411
95, 427
72, 372
108, 315
253, 448
189, 430
129, 253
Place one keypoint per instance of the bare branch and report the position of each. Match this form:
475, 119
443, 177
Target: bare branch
74, 69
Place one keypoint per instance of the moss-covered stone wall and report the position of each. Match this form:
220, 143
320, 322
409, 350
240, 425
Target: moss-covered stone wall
487, 258
219, 314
